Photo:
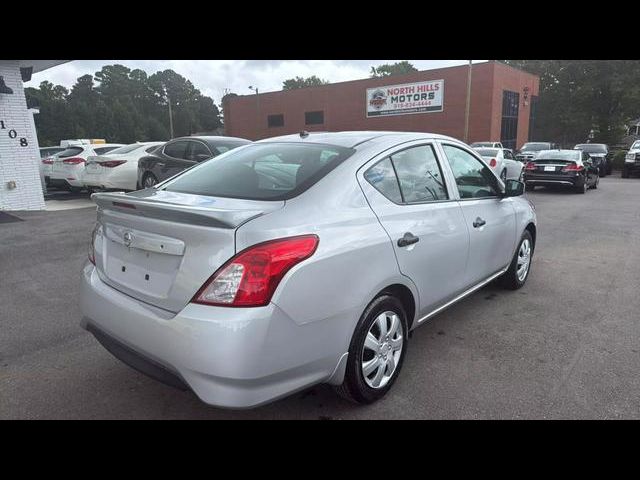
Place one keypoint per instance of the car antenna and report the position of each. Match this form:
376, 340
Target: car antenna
304, 134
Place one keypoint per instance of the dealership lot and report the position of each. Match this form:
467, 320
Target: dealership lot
564, 346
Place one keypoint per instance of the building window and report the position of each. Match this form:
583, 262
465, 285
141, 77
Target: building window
509, 128
314, 118
532, 118
275, 120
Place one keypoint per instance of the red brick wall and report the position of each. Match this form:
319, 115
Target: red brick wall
344, 106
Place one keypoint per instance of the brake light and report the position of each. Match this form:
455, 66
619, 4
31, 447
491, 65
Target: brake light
48, 161
73, 161
250, 277
492, 162
573, 167
530, 166
112, 163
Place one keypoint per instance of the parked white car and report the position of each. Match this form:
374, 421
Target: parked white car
502, 162
117, 169
68, 166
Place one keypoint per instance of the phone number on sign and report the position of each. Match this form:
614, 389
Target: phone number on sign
425, 103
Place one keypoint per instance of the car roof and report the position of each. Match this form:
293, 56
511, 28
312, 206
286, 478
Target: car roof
352, 139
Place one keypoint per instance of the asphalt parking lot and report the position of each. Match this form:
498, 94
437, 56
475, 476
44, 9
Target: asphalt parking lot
564, 346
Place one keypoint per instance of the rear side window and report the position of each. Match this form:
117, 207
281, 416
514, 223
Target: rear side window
419, 175
267, 171
383, 178
176, 149
70, 152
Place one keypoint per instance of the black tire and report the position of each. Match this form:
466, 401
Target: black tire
625, 172
503, 176
509, 279
147, 179
583, 188
529, 188
354, 388
595, 184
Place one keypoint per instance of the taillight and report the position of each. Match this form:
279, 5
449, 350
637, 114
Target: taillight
112, 163
250, 277
73, 161
92, 245
492, 162
48, 161
530, 166
573, 167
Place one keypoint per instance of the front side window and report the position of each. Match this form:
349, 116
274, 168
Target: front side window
419, 175
266, 171
474, 179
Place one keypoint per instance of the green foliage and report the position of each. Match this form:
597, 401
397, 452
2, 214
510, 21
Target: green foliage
122, 106
300, 82
388, 69
618, 159
577, 96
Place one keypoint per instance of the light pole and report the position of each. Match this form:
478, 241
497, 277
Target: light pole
468, 106
258, 129
170, 118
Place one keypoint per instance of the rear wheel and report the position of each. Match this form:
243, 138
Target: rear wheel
376, 352
582, 188
516, 276
149, 180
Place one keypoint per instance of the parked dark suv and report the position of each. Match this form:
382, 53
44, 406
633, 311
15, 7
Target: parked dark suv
180, 154
599, 153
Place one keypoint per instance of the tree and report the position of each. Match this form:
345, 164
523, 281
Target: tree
301, 82
388, 69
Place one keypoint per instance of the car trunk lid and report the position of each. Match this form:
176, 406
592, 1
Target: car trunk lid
160, 247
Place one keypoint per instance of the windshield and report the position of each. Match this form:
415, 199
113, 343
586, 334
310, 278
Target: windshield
570, 155
267, 171
70, 152
487, 152
126, 149
535, 147
636, 144
591, 148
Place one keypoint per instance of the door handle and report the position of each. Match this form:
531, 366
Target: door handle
408, 239
478, 222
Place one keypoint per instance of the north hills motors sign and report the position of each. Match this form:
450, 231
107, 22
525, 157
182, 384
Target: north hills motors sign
405, 98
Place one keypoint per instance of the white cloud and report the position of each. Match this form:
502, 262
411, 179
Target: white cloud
212, 77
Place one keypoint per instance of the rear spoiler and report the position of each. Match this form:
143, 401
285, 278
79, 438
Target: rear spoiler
174, 212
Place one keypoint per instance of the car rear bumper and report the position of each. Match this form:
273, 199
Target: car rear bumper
230, 357
550, 180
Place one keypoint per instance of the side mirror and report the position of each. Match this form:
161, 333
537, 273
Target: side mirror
513, 188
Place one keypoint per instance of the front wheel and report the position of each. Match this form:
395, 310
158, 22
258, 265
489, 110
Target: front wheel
376, 352
518, 272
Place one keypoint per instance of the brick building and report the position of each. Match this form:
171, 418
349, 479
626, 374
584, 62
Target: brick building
20, 183
503, 101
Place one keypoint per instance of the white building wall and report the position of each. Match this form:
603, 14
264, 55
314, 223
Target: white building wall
20, 164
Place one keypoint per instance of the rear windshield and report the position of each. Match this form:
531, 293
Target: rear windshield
70, 152
125, 149
560, 155
103, 150
267, 171
591, 148
636, 144
487, 152
535, 147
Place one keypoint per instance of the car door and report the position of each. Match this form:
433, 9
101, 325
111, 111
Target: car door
174, 159
490, 219
408, 192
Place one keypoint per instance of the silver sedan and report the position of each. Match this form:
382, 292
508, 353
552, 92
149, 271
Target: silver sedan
299, 260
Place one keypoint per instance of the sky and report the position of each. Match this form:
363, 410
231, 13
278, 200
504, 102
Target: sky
212, 77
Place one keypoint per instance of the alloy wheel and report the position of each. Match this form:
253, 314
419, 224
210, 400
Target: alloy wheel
383, 347
524, 260
149, 181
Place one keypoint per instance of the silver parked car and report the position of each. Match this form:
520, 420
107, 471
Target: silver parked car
299, 260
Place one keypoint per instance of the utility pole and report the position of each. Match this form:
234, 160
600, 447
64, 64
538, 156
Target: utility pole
170, 118
251, 87
468, 106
